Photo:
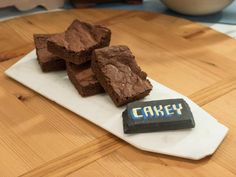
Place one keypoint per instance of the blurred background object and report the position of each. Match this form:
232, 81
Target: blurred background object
30, 4
197, 7
226, 16
85, 3
24, 5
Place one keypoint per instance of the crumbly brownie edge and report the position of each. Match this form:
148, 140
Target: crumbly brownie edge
92, 90
84, 91
74, 57
36, 48
101, 80
115, 98
77, 57
105, 41
99, 77
54, 65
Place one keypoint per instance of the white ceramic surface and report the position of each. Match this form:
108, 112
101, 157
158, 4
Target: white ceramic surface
194, 143
197, 7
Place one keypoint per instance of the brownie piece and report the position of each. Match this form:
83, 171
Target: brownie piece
83, 79
118, 73
47, 61
78, 41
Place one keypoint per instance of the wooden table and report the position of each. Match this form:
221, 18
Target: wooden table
41, 138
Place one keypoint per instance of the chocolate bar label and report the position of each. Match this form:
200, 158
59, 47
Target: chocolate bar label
157, 111
159, 115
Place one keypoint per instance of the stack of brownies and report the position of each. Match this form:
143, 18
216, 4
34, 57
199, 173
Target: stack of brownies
92, 66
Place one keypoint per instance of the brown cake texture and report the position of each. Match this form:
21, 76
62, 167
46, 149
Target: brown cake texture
78, 41
83, 79
118, 73
47, 61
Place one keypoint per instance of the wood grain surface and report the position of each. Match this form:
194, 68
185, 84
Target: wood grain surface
41, 138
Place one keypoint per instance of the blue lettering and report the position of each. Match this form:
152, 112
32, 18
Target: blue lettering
134, 113
148, 112
158, 111
169, 110
178, 108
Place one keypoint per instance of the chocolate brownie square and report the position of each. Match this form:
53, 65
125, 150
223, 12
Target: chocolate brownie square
47, 61
118, 73
78, 41
83, 79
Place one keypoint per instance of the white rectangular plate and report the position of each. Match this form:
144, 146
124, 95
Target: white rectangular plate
194, 143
